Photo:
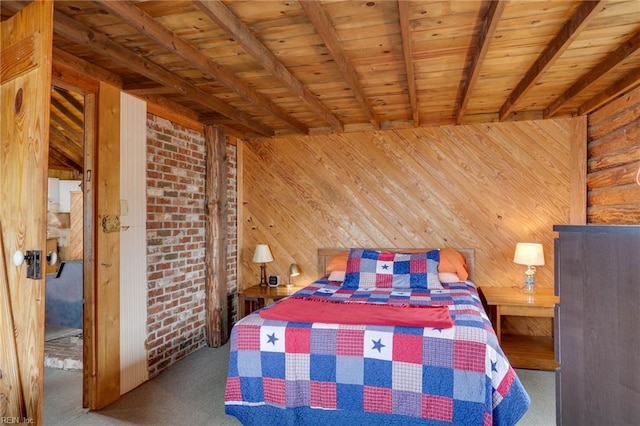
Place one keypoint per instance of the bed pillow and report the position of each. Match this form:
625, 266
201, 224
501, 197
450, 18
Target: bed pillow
448, 277
451, 260
337, 275
383, 269
338, 262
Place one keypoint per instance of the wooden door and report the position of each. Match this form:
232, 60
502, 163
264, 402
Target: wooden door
25, 90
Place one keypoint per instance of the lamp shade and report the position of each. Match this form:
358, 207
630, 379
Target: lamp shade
530, 254
294, 270
262, 254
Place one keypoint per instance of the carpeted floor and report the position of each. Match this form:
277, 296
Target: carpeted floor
191, 392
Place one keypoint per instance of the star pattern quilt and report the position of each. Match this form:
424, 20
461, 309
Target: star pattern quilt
283, 372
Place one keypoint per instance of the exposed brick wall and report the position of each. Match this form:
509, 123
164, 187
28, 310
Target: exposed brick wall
176, 240
232, 234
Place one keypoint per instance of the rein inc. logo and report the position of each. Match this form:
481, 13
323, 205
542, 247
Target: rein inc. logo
16, 420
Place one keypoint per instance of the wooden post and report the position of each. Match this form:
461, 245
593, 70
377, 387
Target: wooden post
216, 236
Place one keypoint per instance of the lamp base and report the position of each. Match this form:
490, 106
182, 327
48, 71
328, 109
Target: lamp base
263, 275
529, 284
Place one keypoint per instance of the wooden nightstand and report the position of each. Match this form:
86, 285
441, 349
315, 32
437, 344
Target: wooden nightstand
535, 352
262, 296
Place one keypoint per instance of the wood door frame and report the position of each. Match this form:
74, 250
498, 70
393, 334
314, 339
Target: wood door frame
94, 379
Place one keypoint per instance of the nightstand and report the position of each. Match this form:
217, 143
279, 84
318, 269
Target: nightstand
262, 296
535, 352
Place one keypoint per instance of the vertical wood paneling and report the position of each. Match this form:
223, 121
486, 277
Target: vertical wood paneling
483, 186
133, 244
613, 193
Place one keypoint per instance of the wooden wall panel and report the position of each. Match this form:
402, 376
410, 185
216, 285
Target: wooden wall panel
482, 186
613, 192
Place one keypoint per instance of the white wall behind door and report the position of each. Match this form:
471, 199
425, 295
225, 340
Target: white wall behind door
133, 243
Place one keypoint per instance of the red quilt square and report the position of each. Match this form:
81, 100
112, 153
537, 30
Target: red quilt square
437, 408
249, 338
469, 356
418, 265
378, 400
323, 394
232, 391
505, 384
297, 340
407, 348
275, 391
350, 342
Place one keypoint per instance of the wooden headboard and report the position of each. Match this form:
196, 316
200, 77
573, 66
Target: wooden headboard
325, 254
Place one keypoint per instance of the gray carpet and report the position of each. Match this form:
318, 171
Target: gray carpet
191, 392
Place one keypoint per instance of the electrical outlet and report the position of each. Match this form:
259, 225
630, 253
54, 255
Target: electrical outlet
124, 207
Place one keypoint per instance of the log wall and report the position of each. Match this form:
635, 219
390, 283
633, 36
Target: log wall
613, 187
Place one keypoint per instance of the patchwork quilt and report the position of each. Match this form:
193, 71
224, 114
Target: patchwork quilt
285, 372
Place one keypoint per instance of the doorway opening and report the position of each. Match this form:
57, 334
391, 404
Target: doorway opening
65, 229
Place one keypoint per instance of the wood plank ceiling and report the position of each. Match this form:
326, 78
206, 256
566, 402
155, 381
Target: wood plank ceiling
280, 68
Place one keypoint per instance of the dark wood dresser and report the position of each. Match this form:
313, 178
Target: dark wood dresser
597, 276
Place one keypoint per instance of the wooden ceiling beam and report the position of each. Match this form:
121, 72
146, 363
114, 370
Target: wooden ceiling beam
626, 49
64, 126
66, 149
323, 26
407, 50
224, 18
101, 44
622, 86
138, 90
143, 22
489, 27
62, 59
59, 161
68, 97
55, 103
569, 32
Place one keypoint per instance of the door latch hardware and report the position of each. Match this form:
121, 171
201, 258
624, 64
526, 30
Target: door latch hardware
34, 262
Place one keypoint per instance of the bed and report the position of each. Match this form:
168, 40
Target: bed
397, 337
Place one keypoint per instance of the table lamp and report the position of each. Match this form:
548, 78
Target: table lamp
262, 255
531, 255
294, 271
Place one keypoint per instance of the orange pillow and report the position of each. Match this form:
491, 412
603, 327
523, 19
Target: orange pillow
451, 260
338, 262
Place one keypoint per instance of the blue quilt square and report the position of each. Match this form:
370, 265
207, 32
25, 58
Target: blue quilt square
251, 388
350, 369
298, 393
408, 330
470, 386
233, 364
273, 364
300, 324
323, 368
407, 403
437, 381
350, 397
323, 341
417, 280
468, 413
378, 373
249, 364
401, 267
